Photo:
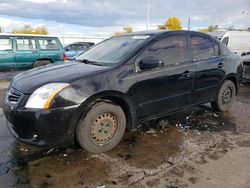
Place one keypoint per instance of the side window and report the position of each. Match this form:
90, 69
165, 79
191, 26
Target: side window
225, 41
172, 50
5, 44
48, 44
25, 44
203, 48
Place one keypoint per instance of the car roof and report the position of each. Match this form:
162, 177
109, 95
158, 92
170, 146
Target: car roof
161, 32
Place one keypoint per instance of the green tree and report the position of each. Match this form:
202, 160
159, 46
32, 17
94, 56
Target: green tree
213, 28
28, 29
173, 23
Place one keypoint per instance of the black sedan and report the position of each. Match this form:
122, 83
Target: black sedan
118, 83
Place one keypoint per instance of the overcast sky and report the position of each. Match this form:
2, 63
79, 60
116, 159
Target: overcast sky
104, 17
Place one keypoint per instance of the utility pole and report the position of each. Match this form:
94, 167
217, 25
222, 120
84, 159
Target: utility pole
189, 21
147, 26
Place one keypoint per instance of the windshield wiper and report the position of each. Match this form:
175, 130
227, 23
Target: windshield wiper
86, 61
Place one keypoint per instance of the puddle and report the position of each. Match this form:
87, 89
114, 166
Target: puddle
148, 151
78, 167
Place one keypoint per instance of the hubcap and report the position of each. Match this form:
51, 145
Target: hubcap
104, 128
227, 95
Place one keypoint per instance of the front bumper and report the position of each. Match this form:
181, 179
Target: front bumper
51, 127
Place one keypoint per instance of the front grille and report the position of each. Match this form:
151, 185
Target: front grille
13, 96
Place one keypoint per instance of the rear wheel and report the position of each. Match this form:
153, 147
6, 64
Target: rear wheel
225, 96
102, 128
41, 63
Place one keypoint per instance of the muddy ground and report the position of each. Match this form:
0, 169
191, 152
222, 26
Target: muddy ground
192, 148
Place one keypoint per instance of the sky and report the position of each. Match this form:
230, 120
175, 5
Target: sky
104, 17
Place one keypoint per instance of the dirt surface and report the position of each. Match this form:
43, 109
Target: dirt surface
197, 147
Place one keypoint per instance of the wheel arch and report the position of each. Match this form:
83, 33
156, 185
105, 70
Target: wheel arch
117, 98
233, 78
46, 59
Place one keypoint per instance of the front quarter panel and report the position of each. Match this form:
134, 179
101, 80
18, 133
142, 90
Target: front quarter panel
117, 79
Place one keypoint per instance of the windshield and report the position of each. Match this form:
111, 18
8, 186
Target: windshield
112, 50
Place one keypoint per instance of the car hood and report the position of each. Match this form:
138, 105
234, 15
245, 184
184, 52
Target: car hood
68, 72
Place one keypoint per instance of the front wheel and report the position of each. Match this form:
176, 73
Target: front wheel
102, 128
225, 96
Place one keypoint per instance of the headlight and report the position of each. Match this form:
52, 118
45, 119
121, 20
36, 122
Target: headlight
42, 97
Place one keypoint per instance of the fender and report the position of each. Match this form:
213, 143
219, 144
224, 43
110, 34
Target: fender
116, 97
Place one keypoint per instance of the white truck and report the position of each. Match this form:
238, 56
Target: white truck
237, 41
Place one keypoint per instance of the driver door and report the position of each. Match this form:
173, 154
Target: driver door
167, 88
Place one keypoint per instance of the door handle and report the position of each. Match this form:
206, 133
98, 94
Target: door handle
11, 52
186, 74
220, 65
34, 52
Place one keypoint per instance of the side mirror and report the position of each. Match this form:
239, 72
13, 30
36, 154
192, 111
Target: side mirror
150, 62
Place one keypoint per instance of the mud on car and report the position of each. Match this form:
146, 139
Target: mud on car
118, 83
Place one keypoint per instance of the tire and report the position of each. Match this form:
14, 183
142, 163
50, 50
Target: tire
225, 96
41, 63
102, 128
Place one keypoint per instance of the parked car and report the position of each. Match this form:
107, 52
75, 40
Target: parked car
237, 41
28, 51
118, 83
76, 48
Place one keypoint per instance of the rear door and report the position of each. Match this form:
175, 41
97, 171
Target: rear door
7, 53
166, 88
209, 67
26, 52
50, 48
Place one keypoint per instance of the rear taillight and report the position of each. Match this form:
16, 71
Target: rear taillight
64, 57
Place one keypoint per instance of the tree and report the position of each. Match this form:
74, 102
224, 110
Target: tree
203, 30
213, 28
162, 27
210, 28
126, 29
173, 23
28, 29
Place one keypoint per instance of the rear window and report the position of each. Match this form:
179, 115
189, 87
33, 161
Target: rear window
48, 44
25, 44
5, 44
202, 47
